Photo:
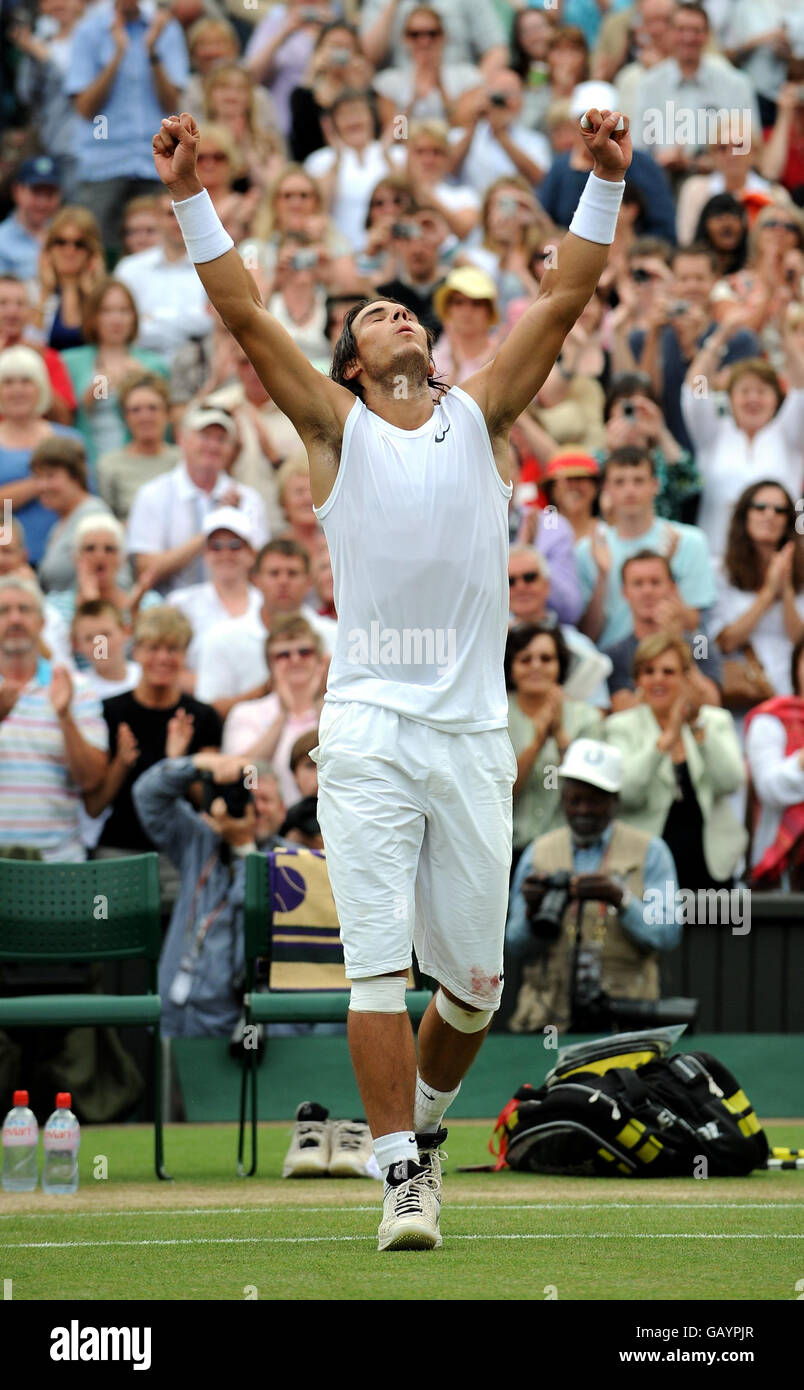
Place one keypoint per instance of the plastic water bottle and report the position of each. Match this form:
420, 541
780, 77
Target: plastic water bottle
20, 1144
62, 1138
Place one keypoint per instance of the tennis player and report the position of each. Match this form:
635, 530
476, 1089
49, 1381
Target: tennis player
411, 486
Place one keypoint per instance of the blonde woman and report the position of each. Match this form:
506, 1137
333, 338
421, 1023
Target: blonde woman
682, 762
230, 100
24, 397
221, 164
294, 203
296, 501
70, 267
212, 41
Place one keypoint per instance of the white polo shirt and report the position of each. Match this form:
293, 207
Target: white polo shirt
231, 658
172, 304
171, 509
203, 608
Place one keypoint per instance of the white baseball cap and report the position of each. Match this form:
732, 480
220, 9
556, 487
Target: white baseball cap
599, 764
230, 519
204, 415
600, 95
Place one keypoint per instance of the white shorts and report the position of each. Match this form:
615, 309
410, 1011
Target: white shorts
417, 830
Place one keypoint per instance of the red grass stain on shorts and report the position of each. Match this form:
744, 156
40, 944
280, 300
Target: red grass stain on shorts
482, 983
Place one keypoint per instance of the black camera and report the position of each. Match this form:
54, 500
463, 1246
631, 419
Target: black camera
629, 410
545, 920
235, 794
498, 99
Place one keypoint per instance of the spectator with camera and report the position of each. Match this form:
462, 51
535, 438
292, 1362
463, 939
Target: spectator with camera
682, 762
631, 487
493, 142
635, 418
680, 319
418, 241
337, 63
588, 909
202, 965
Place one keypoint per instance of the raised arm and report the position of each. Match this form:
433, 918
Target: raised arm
507, 385
317, 406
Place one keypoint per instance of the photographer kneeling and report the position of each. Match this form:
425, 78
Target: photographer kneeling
584, 914
202, 966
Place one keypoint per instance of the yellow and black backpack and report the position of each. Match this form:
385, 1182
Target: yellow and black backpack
632, 1114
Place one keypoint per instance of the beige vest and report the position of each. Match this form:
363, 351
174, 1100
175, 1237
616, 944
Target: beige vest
628, 970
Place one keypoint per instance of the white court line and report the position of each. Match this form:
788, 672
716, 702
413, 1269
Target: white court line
324, 1240
453, 1206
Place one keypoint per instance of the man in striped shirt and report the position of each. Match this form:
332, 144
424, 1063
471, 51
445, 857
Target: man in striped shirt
53, 737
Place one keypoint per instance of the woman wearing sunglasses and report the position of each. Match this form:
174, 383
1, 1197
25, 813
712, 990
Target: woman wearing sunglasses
542, 722
760, 603
70, 268
268, 728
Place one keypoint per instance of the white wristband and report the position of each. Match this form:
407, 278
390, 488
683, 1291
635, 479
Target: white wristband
204, 234
596, 214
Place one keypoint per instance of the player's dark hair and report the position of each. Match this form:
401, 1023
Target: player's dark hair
345, 350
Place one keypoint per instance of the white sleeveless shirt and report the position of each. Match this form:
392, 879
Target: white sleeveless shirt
417, 529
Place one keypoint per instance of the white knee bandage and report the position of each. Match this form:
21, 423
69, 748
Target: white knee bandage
381, 994
462, 1020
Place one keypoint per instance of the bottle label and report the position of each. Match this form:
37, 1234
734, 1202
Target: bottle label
14, 1135
57, 1141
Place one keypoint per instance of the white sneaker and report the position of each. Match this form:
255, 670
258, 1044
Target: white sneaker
411, 1209
308, 1155
352, 1150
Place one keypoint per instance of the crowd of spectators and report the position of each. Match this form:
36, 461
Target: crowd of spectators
166, 597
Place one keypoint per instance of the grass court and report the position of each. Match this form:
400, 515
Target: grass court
507, 1236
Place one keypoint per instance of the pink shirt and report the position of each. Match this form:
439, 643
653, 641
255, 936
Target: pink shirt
247, 721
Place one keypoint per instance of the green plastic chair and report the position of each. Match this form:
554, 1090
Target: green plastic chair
281, 1005
99, 910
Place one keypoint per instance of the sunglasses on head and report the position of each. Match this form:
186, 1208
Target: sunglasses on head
284, 653
529, 577
768, 507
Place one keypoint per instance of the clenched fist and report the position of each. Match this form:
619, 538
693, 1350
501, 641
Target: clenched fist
175, 148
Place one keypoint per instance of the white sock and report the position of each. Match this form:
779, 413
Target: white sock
430, 1106
395, 1148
